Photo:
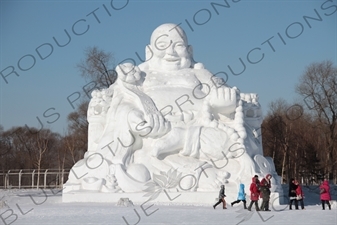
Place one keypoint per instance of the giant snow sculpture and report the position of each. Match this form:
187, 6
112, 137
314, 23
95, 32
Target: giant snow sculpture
169, 124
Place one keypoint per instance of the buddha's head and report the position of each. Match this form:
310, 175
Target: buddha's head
169, 49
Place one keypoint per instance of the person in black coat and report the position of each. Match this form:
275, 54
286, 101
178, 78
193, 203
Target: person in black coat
221, 198
292, 194
265, 186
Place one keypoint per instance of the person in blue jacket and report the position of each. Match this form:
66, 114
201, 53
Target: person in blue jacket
241, 196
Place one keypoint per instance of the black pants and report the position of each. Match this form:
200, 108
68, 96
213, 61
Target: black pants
291, 203
301, 202
237, 201
323, 204
256, 205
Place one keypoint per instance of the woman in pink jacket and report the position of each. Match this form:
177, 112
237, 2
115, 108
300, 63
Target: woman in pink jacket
325, 194
299, 194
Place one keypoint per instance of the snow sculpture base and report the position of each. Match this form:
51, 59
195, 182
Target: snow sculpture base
164, 198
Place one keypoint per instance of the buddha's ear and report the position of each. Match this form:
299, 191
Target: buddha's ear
190, 50
193, 63
148, 52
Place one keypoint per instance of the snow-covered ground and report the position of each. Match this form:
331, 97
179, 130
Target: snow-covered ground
45, 207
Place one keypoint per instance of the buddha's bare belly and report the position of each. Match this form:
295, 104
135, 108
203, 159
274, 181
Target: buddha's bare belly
179, 91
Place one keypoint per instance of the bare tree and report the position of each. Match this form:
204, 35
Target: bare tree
6, 150
24, 146
70, 146
28, 148
42, 141
76, 141
318, 86
290, 139
278, 134
98, 66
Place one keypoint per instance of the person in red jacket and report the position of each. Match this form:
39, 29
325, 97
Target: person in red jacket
299, 194
265, 186
325, 194
254, 193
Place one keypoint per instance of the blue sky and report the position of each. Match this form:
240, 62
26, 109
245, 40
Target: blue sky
278, 34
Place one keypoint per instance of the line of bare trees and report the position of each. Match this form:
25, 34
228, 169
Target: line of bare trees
300, 137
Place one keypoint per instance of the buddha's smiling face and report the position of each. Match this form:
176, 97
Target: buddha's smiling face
170, 49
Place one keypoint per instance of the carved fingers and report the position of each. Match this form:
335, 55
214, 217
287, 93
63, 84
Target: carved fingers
152, 125
159, 126
228, 94
223, 99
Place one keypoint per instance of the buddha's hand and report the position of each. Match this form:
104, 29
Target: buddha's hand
223, 100
151, 125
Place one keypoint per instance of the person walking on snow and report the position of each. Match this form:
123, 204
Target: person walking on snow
299, 194
254, 193
221, 198
292, 194
265, 186
241, 196
325, 194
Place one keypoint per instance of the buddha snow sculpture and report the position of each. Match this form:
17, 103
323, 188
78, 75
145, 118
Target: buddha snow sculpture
171, 114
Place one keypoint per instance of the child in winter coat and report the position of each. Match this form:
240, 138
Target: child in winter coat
241, 196
254, 193
292, 194
221, 197
325, 194
299, 194
265, 186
